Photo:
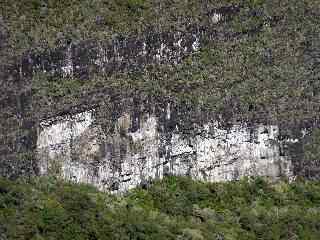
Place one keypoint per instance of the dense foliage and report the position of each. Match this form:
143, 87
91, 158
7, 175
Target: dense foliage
174, 208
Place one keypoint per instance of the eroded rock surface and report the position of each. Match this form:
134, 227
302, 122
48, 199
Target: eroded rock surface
78, 148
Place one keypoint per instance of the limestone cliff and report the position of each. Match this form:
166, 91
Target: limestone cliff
78, 148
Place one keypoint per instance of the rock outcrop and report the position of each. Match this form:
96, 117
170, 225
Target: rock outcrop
137, 147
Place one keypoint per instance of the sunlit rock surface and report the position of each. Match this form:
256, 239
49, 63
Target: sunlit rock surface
78, 149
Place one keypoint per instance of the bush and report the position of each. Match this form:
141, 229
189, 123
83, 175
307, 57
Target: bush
173, 208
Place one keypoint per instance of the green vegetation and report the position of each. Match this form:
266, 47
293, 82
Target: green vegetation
312, 148
174, 208
270, 68
38, 23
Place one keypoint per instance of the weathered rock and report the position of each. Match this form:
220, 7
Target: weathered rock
79, 148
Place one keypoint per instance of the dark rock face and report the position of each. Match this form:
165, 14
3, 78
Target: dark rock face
134, 52
130, 53
18, 133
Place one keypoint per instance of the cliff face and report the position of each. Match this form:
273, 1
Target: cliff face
142, 145
216, 98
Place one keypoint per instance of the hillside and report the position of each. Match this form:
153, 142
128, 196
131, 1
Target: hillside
103, 102
175, 208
